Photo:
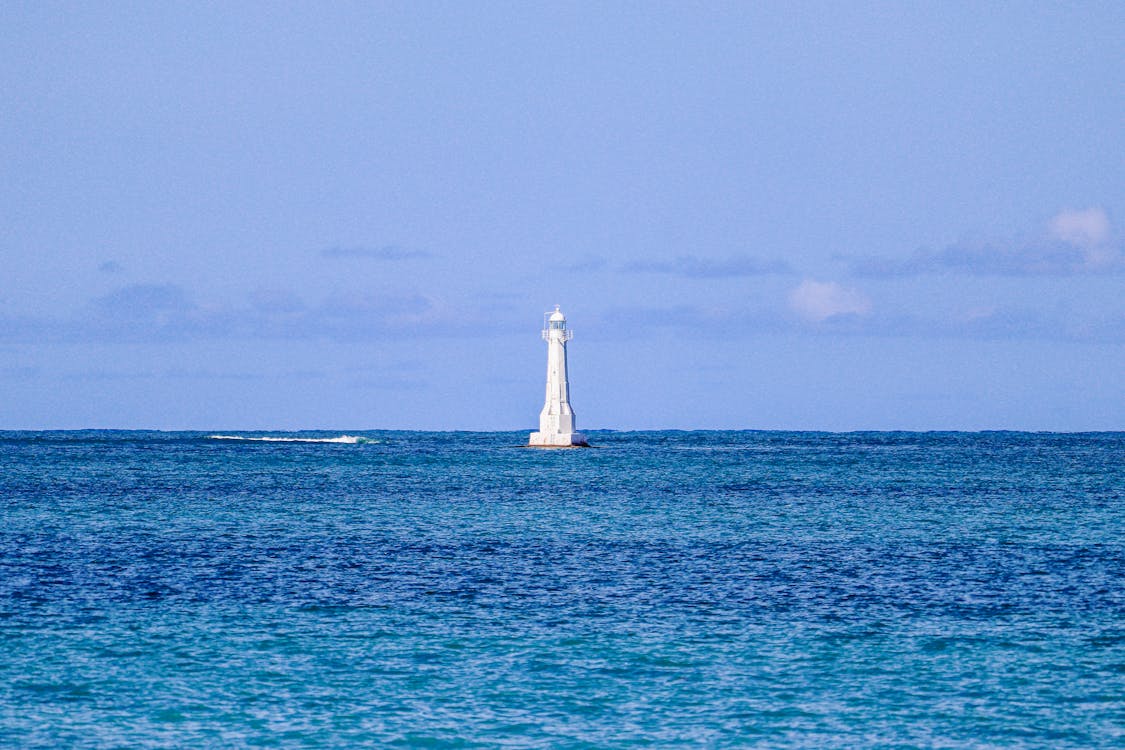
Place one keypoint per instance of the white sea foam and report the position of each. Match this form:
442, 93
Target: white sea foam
352, 439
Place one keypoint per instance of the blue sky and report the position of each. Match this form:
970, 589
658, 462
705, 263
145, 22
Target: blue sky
788, 215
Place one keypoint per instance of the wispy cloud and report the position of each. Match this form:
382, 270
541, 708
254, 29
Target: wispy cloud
588, 263
818, 301
709, 268
167, 312
187, 374
143, 300
387, 252
1002, 323
140, 311
19, 373
828, 309
677, 316
1080, 228
1045, 259
1074, 242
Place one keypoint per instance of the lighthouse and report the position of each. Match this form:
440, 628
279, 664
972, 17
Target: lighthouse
556, 421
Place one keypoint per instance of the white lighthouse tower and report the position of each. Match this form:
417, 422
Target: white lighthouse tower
556, 421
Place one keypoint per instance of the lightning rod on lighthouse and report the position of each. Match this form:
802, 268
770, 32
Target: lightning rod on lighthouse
556, 421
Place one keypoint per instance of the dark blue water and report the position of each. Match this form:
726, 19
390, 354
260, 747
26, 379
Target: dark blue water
665, 589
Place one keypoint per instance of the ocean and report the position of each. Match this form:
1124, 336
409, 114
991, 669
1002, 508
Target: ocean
663, 589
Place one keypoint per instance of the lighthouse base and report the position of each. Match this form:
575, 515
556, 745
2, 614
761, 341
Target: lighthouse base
557, 440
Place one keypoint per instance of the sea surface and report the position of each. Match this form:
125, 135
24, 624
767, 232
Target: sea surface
664, 589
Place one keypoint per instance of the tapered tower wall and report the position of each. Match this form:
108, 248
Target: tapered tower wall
556, 420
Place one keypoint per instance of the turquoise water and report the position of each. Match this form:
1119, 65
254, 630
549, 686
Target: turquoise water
718, 589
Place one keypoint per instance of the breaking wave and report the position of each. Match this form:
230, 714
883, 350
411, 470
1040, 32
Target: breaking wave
352, 439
